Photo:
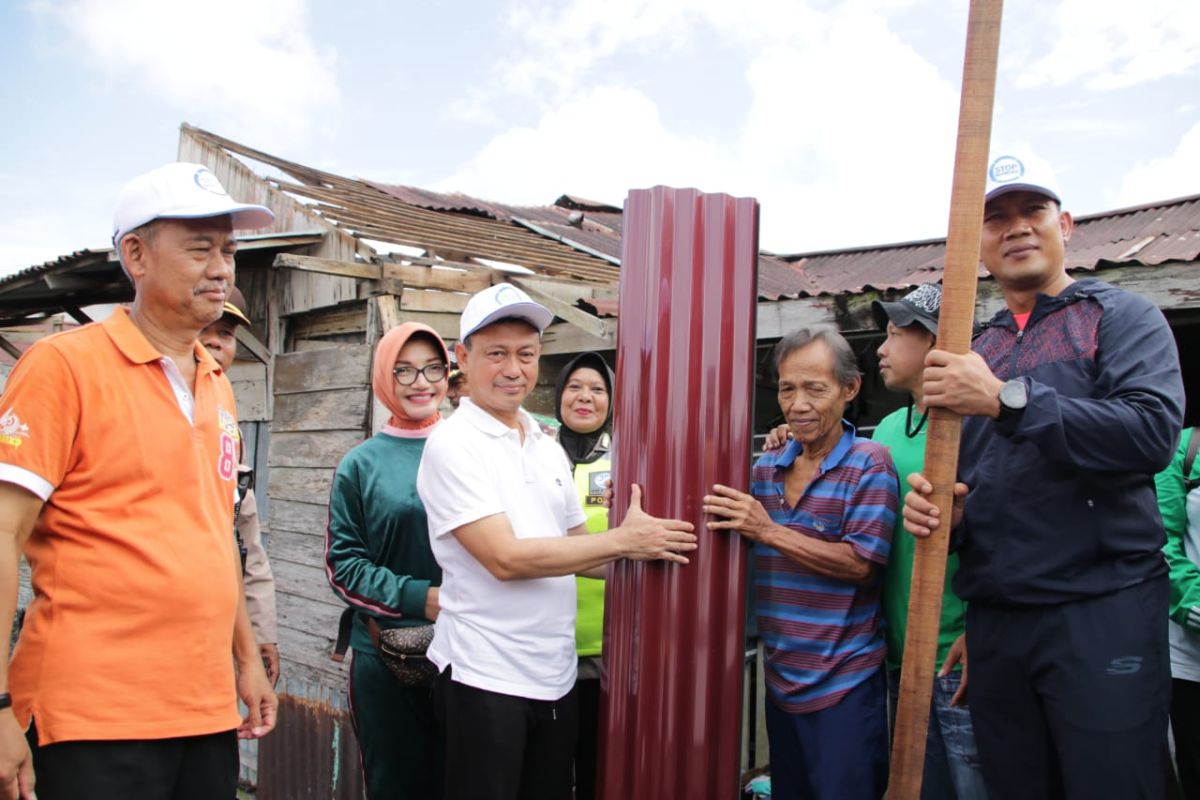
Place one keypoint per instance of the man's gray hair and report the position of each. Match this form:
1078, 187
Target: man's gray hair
145, 232
845, 365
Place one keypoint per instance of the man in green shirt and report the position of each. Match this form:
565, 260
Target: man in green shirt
951, 760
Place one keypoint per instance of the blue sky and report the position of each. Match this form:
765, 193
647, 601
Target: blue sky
838, 115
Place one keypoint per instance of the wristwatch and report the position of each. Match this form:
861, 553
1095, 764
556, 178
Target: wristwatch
1014, 396
5, 700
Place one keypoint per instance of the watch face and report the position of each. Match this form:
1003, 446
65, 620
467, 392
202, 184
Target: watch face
1014, 395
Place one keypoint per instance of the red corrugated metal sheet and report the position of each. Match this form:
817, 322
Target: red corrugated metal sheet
674, 638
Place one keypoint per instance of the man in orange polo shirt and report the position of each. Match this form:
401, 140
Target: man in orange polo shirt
118, 464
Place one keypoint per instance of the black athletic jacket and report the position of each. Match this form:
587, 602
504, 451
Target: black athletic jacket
1062, 502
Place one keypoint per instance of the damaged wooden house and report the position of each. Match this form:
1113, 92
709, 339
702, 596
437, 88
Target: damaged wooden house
348, 258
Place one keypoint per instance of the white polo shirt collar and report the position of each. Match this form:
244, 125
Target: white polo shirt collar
488, 424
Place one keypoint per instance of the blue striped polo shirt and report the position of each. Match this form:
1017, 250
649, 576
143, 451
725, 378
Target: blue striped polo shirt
822, 635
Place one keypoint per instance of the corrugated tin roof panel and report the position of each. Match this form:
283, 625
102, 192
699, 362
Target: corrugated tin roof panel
1150, 234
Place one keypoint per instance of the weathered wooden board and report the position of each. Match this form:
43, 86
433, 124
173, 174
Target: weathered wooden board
563, 337
340, 409
301, 484
294, 517
315, 614
429, 300
251, 399
329, 266
306, 547
302, 580
351, 318
312, 449
340, 367
450, 280
443, 323
302, 292
307, 655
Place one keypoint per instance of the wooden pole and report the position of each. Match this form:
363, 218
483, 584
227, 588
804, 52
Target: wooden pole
941, 452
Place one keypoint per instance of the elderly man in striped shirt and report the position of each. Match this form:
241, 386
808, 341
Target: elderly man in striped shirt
820, 517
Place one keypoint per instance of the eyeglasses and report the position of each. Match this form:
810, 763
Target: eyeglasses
407, 376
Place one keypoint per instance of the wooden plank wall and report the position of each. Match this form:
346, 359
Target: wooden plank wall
321, 404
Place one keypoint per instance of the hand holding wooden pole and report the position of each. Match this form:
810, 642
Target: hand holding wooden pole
941, 452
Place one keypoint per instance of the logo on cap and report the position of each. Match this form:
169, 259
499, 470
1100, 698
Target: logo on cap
208, 182
507, 294
1006, 169
927, 297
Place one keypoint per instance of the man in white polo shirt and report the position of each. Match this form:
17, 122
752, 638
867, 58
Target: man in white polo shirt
508, 530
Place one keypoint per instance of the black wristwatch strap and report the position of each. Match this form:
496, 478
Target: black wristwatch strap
5, 700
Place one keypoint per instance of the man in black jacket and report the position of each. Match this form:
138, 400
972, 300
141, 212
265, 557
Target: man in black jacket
1072, 400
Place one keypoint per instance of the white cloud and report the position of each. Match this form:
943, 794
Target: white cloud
246, 65
598, 146
1164, 178
837, 150
1109, 44
49, 221
560, 44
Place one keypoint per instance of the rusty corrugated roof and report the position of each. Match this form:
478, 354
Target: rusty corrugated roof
1149, 234
581, 239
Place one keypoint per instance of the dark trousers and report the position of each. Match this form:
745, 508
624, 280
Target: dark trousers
587, 747
1070, 701
1185, 725
186, 768
838, 753
397, 733
500, 747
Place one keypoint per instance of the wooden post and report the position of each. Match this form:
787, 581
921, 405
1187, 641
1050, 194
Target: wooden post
941, 452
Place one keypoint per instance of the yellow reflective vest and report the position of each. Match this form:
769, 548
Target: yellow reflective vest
590, 481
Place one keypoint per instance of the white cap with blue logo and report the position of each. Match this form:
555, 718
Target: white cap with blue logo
1020, 173
181, 191
498, 302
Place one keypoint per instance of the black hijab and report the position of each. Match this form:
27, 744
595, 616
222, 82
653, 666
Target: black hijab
584, 448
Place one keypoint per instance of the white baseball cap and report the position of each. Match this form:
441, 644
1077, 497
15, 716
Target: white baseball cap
497, 302
181, 191
1023, 173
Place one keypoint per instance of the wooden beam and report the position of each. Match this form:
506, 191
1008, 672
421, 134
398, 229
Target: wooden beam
456, 278
388, 311
9, 347
593, 326
251, 342
76, 313
329, 266
424, 300
942, 440
564, 337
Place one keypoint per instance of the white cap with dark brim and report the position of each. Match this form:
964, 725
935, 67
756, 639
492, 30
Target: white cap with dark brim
182, 191
1009, 173
500, 302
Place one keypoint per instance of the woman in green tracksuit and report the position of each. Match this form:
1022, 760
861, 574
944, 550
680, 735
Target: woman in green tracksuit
378, 560
584, 407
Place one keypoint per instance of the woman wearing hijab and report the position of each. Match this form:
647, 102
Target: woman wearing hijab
378, 560
584, 408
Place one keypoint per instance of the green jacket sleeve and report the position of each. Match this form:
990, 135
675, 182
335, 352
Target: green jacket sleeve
350, 556
1185, 574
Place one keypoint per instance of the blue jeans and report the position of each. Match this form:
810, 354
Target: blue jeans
951, 760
